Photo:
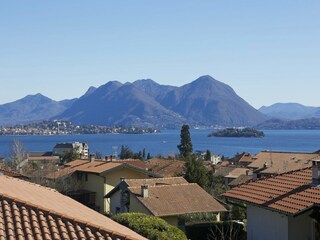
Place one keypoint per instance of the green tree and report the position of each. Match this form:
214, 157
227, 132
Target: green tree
125, 152
185, 146
68, 156
196, 172
207, 157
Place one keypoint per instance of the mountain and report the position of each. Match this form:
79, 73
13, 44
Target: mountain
207, 101
290, 111
32, 108
204, 102
299, 124
120, 104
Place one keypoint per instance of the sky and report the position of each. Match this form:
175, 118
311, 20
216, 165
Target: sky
267, 51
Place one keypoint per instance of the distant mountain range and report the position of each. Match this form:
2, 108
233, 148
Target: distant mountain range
290, 111
205, 102
299, 124
32, 108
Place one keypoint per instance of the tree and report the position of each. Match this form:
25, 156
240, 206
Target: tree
185, 146
68, 156
207, 157
18, 155
125, 152
196, 172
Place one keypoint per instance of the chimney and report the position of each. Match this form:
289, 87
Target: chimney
316, 172
91, 157
122, 179
144, 190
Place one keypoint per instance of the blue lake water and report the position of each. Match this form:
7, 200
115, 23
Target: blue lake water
166, 142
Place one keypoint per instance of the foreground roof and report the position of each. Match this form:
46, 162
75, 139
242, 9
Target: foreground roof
30, 211
290, 193
281, 162
177, 199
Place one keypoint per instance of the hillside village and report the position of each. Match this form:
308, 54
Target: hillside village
199, 195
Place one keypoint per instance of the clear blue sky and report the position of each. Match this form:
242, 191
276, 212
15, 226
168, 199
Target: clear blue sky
268, 51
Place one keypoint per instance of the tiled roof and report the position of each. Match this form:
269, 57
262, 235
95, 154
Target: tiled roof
240, 180
10, 173
289, 193
178, 199
30, 211
155, 181
166, 167
97, 166
236, 172
281, 162
223, 171
44, 158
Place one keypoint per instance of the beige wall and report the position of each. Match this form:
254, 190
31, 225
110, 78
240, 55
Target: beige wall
95, 183
136, 206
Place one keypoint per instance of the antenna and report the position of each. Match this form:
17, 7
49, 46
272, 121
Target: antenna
271, 162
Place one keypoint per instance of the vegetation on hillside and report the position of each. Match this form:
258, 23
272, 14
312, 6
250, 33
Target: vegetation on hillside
237, 132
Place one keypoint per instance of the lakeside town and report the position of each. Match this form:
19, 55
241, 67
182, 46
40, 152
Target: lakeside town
193, 195
56, 127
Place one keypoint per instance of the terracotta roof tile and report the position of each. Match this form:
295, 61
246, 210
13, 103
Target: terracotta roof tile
51, 215
165, 167
171, 200
97, 166
289, 193
281, 162
155, 181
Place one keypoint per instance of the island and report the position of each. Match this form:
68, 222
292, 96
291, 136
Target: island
237, 132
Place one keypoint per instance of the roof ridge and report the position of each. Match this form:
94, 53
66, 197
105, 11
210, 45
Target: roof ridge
61, 215
154, 178
169, 185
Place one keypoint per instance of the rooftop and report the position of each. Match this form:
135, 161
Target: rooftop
97, 166
177, 199
166, 167
30, 211
236, 172
281, 162
288, 193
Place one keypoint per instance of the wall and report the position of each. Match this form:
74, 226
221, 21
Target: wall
95, 184
114, 202
136, 206
173, 220
301, 227
265, 225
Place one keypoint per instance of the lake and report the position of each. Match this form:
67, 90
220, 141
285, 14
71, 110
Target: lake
165, 143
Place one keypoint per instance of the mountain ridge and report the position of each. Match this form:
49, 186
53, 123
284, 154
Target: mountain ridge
204, 101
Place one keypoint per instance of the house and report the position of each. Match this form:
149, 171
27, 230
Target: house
267, 163
236, 173
81, 148
282, 207
30, 211
215, 159
167, 198
89, 180
42, 158
166, 167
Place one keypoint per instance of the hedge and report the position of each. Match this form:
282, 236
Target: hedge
153, 228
